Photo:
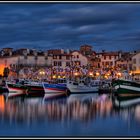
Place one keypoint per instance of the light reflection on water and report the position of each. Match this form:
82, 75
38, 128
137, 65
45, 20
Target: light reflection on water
91, 110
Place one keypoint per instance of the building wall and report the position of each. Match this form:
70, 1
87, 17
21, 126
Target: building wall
107, 60
55, 61
136, 62
79, 57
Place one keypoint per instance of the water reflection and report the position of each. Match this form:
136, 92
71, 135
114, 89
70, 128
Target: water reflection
86, 109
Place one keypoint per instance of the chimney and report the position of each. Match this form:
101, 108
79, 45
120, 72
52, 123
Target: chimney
10, 53
62, 51
68, 51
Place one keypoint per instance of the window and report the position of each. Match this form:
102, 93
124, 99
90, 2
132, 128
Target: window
60, 57
105, 57
77, 56
78, 63
67, 63
134, 61
103, 63
54, 56
110, 57
67, 57
107, 63
55, 63
111, 63
59, 63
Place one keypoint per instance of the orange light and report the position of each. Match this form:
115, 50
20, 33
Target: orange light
1, 69
91, 74
59, 76
54, 76
119, 74
106, 77
76, 73
2, 103
97, 73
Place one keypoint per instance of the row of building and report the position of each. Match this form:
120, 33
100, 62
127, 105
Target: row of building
59, 58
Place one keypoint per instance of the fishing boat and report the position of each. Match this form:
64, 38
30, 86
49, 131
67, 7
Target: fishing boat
34, 89
126, 89
80, 87
54, 90
16, 89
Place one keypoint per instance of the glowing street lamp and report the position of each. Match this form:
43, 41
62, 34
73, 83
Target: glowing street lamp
119, 74
97, 73
54, 76
90, 74
76, 74
42, 73
59, 76
130, 73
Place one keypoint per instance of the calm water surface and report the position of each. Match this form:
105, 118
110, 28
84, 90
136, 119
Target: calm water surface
87, 115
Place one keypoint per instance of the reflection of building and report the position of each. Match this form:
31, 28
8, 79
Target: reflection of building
29, 111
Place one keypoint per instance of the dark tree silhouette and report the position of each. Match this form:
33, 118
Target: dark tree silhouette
6, 72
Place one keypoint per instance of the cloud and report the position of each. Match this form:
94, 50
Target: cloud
108, 26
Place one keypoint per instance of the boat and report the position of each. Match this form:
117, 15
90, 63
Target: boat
126, 89
54, 90
80, 87
34, 89
16, 89
105, 87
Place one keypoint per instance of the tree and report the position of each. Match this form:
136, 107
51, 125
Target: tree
6, 72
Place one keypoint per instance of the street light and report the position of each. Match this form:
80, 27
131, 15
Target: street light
97, 73
90, 74
76, 74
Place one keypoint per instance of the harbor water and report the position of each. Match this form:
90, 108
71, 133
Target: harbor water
87, 115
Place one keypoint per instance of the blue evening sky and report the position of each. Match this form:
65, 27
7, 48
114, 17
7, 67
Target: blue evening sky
70, 25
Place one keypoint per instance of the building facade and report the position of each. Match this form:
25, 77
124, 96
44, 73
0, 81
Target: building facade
108, 59
136, 65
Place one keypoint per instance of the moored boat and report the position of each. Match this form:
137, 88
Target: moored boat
16, 89
126, 89
81, 87
54, 90
34, 89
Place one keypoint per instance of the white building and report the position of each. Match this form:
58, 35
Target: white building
24, 57
59, 58
136, 64
108, 59
79, 59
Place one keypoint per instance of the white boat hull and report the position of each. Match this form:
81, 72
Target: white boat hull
82, 89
